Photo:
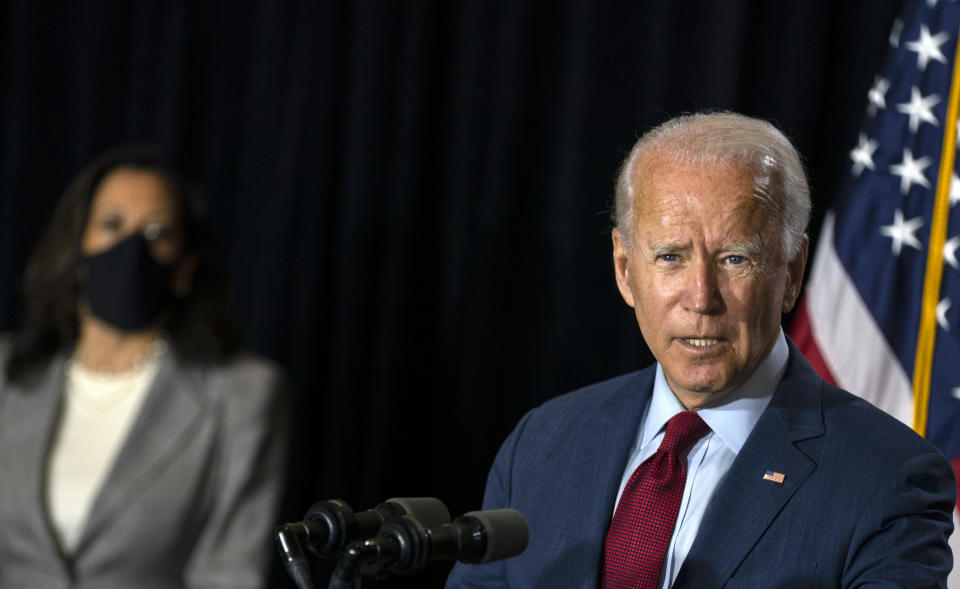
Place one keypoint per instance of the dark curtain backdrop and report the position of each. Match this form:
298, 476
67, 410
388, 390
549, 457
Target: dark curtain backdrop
412, 197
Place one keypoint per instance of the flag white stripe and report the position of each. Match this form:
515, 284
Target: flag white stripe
851, 343
954, 579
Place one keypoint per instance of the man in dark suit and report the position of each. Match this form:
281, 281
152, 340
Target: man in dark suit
729, 463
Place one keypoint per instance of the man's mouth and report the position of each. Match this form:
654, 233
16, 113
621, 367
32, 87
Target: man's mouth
701, 342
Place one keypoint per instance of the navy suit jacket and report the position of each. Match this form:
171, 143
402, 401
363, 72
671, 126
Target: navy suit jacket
864, 502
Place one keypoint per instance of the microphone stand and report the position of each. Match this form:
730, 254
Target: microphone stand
400, 547
354, 564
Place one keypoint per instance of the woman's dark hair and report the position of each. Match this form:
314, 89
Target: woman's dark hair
201, 328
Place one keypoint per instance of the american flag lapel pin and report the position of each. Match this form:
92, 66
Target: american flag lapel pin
772, 475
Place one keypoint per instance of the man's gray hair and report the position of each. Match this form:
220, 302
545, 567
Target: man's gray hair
724, 138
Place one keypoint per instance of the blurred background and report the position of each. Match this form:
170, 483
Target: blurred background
412, 197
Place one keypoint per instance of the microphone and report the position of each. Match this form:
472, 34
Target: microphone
330, 525
406, 545
479, 537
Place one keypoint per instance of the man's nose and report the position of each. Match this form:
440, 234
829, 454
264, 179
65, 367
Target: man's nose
702, 289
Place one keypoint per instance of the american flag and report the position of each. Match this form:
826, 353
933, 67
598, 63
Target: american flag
776, 477
881, 312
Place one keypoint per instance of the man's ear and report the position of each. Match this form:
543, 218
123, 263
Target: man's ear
795, 270
621, 266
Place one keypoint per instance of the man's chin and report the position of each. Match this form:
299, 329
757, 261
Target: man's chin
700, 393
698, 381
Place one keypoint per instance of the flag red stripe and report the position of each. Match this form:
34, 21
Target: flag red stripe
801, 332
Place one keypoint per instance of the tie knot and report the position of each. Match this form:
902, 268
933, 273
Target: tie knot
683, 430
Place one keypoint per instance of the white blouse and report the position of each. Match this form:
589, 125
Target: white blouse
98, 410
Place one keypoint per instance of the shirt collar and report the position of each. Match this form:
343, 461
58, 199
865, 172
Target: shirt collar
734, 418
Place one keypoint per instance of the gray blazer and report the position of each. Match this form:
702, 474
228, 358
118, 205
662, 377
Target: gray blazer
190, 501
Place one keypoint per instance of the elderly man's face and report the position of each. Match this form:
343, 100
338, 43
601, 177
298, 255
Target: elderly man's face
705, 274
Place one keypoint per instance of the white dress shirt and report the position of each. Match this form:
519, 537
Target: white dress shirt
709, 459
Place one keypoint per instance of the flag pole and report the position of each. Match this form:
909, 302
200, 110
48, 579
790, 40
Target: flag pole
926, 337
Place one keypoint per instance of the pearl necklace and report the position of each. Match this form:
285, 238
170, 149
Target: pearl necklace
154, 351
97, 391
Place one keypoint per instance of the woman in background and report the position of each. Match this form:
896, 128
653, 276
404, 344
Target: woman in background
139, 447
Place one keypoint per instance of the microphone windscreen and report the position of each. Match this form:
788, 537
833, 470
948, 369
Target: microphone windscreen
506, 530
429, 511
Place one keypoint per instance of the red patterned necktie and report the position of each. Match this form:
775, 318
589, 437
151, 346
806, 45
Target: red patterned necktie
642, 525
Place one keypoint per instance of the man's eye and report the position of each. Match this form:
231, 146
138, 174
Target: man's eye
735, 260
668, 257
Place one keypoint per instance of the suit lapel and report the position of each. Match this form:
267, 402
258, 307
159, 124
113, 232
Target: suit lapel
27, 423
169, 416
745, 504
598, 467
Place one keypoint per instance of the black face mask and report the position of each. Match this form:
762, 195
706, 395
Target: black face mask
125, 286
